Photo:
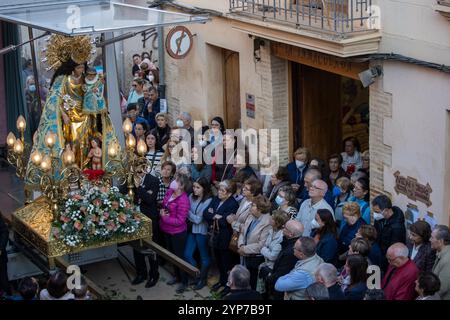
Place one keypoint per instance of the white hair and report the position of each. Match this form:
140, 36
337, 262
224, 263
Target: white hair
327, 272
399, 250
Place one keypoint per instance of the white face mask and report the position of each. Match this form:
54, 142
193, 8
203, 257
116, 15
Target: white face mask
90, 82
180, 123
151, 78
314, 224
299, 163
378, 216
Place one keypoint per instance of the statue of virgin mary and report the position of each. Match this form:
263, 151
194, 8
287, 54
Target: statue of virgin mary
64, 112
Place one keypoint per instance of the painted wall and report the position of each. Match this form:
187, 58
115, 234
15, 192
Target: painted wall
414, 29
419, 133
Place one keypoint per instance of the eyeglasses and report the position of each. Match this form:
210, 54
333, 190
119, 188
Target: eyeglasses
215, 125
134, 85
314, 187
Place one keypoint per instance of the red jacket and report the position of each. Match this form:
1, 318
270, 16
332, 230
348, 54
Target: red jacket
402, 282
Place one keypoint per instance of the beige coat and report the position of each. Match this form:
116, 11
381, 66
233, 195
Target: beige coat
257, 237
442, 269
241, 215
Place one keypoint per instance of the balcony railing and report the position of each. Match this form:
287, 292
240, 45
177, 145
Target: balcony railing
339, 17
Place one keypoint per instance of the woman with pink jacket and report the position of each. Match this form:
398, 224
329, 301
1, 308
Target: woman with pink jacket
173, 223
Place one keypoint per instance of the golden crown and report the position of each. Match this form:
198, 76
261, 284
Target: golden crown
61, 48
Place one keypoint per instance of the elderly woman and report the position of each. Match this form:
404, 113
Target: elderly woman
172, 222
287, 201
254, 235
341, 195
298, 167
420, 250
279, 180
251, 189
353, 220
216, 214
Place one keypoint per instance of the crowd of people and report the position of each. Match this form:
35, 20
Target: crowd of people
306, 230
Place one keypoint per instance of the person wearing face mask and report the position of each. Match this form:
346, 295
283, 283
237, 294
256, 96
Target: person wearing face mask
353, 220
324, 233
184, 122
389, 222
297, 169
32, 101
286, 201
173, 217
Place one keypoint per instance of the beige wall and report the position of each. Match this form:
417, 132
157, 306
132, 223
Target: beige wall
413, 28
195, 83
415, 138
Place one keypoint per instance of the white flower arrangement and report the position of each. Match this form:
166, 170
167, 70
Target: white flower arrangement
95, 214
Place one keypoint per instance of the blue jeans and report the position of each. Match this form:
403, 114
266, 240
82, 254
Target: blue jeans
193, 241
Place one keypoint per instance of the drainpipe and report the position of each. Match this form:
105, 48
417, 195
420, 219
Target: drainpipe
161, 61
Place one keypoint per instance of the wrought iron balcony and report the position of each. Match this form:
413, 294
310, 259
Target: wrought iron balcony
341, 18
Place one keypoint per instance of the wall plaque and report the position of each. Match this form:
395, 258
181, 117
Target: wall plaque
411, 188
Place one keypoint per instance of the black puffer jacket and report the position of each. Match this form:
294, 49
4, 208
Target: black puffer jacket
391, 230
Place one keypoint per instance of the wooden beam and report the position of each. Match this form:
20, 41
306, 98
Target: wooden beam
177, 261
319, 60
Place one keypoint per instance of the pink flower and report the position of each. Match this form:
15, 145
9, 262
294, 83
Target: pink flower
122, 218
55, 232
103, 189
127, 205
78, 225
77, 197
115, 205
93, 218
64, 219
106, 215
97, 202
110, 226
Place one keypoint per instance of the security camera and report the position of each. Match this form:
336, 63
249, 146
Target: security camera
367, 77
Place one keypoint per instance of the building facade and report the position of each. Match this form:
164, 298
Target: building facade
294, 66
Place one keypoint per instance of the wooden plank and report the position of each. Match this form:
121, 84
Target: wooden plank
177, 261
326, 62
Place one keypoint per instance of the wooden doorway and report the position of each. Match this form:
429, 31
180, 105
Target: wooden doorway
317, 112
232, 89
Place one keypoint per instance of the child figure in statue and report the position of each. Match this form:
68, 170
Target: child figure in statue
95, 154
94, 102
